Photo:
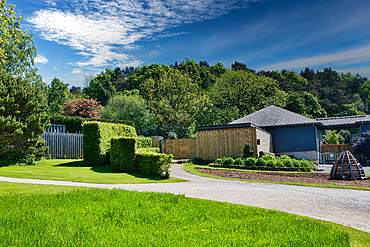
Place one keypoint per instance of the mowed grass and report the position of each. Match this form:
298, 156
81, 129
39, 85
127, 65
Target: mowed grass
76, 171
191, 168
97, 217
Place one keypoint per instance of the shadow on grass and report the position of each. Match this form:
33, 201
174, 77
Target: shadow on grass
79, 163
106, 169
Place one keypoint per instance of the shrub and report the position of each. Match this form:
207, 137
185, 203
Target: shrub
260, 162
122, 154
97, 137
219, 161
239, 162
200, 161
270, 160
296, 163
144, 142
228, 161
247, 151
153, 164
86, 108
287, 161
250, 162
172, 135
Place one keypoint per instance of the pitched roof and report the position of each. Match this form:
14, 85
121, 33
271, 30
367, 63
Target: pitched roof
271, 116
275, 116
332, 122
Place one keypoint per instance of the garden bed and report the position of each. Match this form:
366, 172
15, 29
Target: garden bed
308, 178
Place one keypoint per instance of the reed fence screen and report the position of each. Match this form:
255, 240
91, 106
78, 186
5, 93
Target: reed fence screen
63, 145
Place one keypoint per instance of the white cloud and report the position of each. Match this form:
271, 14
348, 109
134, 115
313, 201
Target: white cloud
41, 59
104, 31
76, 71
153, 53
160, 47
343, 58
55, 68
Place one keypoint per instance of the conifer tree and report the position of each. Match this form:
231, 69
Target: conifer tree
23, 119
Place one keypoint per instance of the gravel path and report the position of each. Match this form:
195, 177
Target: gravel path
343, 206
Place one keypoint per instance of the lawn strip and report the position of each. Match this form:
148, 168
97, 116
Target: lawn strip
75, 171
192, 169
96, 217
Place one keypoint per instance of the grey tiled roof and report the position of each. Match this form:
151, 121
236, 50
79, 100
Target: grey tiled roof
343, 121
275, 116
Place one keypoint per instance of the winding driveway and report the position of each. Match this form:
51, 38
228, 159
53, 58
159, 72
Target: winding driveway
343, 206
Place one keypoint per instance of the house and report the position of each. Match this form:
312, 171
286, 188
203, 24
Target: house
277, 130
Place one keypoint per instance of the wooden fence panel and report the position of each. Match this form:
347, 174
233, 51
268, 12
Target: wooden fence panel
336, 148
63, 145
213, 144
180, 148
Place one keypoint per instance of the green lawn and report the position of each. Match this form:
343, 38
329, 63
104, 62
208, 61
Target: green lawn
191, 168
74, 170
49, 216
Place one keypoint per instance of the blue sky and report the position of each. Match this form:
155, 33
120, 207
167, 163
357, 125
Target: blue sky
76, 38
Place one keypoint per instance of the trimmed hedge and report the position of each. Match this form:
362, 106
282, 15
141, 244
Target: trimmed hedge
154, 164
144, 142
149, 150
74, 124
122, 154
97, 140
125, 158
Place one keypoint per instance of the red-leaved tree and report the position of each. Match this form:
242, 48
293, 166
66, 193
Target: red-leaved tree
86, 108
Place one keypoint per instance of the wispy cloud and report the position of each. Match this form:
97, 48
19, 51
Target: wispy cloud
55, 68
343, 58
153, 53
41, 59
103, 31
76, 71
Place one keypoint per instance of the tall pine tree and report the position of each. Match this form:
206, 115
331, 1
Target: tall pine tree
23, 119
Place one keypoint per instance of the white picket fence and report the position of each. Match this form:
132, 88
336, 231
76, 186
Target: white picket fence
63, 145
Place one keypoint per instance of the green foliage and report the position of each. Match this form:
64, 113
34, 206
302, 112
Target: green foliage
144, 142
17, 49
149, 150
23, 119
125, 158
200, 161
228, 161
97, 137
250, 162
330, 137
239, 162
246, 91
125, 106
123, 154
172, 135
57, 95
247, 151
154, 164
100, 87
270, 160
74, 124
174, 99
287, 161
260, 162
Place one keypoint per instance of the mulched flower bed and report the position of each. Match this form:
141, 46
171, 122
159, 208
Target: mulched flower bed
310, 178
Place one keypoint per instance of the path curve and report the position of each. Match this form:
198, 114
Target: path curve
343, 206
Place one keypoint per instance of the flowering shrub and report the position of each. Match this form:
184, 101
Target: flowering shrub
86, 108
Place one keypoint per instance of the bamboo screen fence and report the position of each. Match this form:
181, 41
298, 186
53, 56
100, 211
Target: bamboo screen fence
180, 148
63, 145
336, 148
213, 144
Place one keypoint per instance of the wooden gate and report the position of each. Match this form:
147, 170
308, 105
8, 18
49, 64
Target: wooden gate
180, 148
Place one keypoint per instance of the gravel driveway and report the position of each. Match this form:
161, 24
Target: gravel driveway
343, 206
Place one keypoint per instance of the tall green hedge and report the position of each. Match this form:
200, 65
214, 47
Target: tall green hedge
125, 158
74, 124
122, 154
97, 139
144, 142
